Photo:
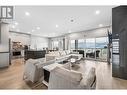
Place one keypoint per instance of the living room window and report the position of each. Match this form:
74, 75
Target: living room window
90, 48
94, 48
72, 44
101, 46
55, 45
81, 44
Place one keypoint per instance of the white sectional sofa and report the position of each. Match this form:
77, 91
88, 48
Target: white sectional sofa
62, 55
33, 69
63, 78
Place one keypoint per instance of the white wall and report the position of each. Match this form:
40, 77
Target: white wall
4, 38
60, 42
93, 33
38, 42
35, 42
4, 44
17, 37
100, 32
49, 43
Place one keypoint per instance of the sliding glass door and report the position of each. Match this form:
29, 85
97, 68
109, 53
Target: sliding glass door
81, 44
90, 48
101, 47
55, 45
94, 48
72, 46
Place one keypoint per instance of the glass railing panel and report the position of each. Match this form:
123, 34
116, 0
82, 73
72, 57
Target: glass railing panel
97, 54
101, 54
104, 54
90, 53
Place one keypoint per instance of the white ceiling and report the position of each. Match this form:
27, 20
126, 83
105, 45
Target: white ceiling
47, 17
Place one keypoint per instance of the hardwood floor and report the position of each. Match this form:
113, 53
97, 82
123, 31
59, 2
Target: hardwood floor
104, 77
12, 77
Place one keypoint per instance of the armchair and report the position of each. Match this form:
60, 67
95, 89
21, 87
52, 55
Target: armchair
62, 78
33, 70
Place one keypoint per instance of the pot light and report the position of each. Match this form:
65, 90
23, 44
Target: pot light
32, 30
38, 28
69, 31
57, 26
100, 25
97, 12
27, 13
16, 23
13, 26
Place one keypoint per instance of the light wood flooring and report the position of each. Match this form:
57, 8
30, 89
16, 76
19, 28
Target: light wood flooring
12, 77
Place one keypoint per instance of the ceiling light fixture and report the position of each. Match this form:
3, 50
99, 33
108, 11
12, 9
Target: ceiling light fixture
13, 26
97, 12
28, 32
100, 25
32, 30
38, 28
57, 26
69, 31
16, 23
27, 13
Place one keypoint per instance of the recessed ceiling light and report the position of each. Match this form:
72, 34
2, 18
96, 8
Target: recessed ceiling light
32, 30
57, 26
69, 31
97, 12
38, 28
16, 23
27, 13
13, 26
100, 25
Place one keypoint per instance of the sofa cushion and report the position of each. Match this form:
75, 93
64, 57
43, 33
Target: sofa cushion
32, 61
31, 70
67, 66
55, 53
88, 78
40, 59
51, 52
48, 62
62, 53
69, 75
67, 52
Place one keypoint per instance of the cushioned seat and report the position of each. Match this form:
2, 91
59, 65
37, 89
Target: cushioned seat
62, 78
33, 70
62, 55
